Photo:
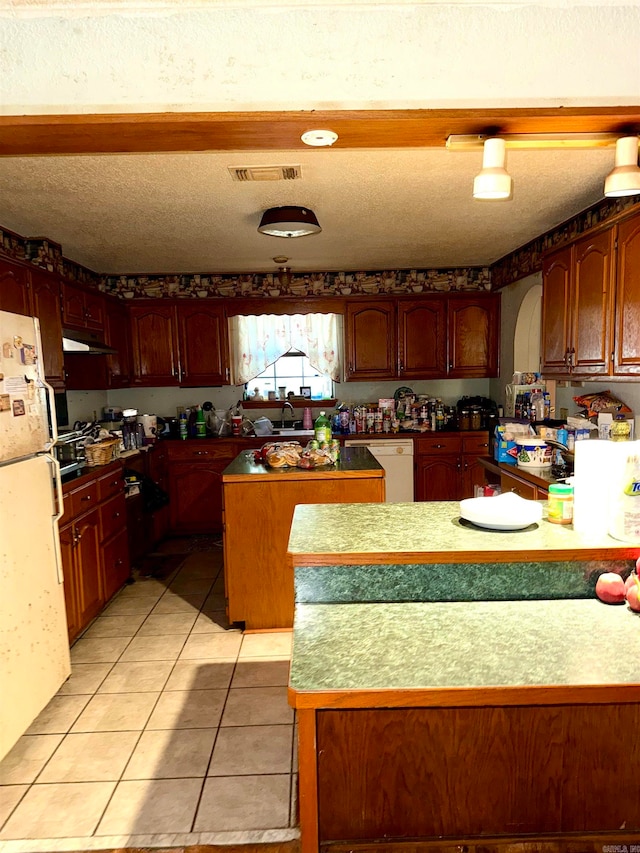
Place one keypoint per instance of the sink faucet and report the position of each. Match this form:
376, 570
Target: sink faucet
285, 405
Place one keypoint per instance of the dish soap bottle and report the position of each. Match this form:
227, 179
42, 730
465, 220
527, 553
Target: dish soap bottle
322, 428
625, 517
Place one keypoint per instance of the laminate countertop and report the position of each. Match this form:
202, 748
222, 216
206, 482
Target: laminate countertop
428, 532
353, 462
483, 652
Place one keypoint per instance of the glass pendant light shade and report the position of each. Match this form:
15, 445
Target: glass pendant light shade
625, 178
493, 182
289, 222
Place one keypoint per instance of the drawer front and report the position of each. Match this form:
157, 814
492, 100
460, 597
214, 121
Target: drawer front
193, 451
84, 498
478, 444
110, 484
113, 516
437, 443
67, 515
524, 490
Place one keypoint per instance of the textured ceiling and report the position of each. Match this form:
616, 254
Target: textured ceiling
378, 208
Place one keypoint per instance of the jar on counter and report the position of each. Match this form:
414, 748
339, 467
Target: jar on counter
464, 419
560, 504
476, 418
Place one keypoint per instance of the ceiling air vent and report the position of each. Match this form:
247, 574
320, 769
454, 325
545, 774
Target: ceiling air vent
265, 173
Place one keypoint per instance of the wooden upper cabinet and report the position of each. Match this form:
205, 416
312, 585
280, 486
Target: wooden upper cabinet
202, 332
626, 352
556, 301
577, 305
422, 338
592, 304
117, 337
45, 289
14, 288
154, 344
473, 336
83, 308
370, 335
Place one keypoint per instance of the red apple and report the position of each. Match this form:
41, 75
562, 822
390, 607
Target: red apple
632, 598
610, 588
638, 565
632, 580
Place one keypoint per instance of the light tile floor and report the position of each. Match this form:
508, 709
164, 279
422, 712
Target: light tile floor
173, 728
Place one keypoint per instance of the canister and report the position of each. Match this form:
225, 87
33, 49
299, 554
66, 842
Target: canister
560, 505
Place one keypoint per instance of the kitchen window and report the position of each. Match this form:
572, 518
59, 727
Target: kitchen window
291, 350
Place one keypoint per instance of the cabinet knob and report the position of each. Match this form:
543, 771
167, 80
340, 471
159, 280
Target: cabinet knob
86, 498
438, 446
201, 452
116, 515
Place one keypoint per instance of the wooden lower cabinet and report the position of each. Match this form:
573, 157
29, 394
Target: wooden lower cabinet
82, 567
93, 543
195, 484
524, 488
471, 773
447, 467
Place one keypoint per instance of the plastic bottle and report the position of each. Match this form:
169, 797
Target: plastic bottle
183, 425
625, 516
620, 429
322, 428
560, 503
201, 424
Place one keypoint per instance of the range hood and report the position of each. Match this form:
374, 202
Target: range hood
83, 342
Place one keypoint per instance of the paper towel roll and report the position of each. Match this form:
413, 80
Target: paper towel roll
598, 472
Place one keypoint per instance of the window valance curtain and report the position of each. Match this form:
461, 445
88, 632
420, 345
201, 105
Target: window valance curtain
260, 339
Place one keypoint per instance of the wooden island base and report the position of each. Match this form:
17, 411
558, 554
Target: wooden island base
487, 778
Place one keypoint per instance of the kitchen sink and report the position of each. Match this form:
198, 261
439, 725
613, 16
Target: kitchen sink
290, 431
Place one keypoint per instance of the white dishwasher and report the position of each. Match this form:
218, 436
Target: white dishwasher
396, 457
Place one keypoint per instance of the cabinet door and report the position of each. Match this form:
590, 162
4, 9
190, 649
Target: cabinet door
592, 305
45, 288
422, 338
116, 564
473, 473
473, 336
154, 342
196, 497
90, 595
202, 334
117, 336
67, 550
556, 296
626, 354
438, 478
73, 307
370, 333
14, 288
520, 487
94, 309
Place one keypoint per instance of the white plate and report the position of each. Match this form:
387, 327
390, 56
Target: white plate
502, 512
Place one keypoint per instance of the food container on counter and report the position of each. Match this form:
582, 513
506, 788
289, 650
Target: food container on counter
533, 453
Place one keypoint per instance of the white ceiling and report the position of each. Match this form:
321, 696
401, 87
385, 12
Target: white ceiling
379, 209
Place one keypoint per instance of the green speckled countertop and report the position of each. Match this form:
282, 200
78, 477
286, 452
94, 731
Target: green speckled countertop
469, 646
431, 532
354, 462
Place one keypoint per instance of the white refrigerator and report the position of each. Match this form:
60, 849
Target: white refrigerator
34, 647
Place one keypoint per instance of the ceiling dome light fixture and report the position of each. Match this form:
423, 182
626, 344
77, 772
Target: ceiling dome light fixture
624, 180
493, 182
289, 222
319, 138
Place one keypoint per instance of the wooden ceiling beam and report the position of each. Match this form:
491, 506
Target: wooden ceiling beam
281, 131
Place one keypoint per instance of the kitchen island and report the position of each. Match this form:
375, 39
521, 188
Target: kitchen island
458, 686
258, 505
